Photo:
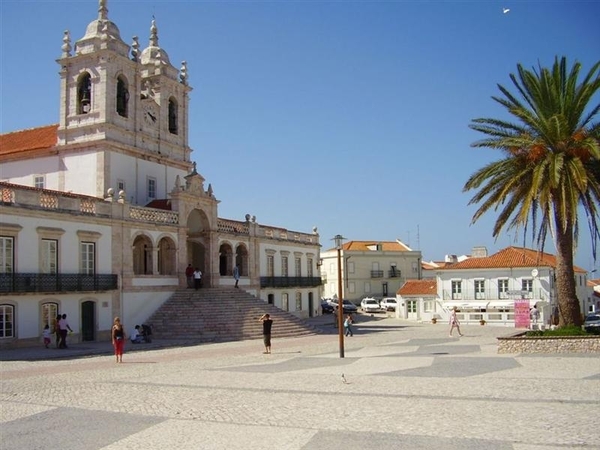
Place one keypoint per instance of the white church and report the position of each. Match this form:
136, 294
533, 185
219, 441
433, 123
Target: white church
101, 213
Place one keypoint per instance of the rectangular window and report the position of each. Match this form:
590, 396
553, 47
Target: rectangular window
284, 266
39, 181
49, 262
503, 288
309, 267
298, 301
49, 312
457, 290
120, 186
151, 187
87, 258
6, 254
298, 263
429, 306
527, 285
332, 268
7, 321
270, 266
350, 266
351, 287
480, 289
411, 306
367, 287
285, 302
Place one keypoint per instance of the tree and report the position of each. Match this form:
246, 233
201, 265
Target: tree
550, 172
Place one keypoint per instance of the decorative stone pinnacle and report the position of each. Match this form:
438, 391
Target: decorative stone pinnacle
102, 10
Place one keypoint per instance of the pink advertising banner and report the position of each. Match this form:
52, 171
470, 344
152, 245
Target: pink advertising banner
522, 313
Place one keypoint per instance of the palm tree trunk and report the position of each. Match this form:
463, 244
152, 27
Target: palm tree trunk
568, 303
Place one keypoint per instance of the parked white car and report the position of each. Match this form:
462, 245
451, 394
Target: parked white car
369, 304
388, 304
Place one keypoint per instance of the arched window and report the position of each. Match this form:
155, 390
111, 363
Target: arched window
49, 312
142, 256
173, 113
84, 94
122, 96
166, 257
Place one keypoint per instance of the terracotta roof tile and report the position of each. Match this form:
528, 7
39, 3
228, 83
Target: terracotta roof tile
28, 142
418, 287
163, 203
363, 246
509, 257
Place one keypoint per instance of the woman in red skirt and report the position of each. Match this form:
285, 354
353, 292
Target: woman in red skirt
118, 339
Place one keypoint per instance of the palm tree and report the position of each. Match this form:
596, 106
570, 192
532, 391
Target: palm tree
550, 173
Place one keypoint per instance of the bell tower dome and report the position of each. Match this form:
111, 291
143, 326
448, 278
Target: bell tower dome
98, 83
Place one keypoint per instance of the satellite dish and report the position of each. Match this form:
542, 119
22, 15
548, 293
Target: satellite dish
534, 273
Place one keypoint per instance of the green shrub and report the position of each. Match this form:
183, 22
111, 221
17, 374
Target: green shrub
562, 331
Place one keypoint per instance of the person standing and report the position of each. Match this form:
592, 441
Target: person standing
267, 323
57, 329
236, 274
454, 323
118, 339
348, 325
197, 279
535, 315
64, 329
189, 276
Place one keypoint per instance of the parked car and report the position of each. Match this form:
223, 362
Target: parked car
349, 307
591, 323
388, 304
369, 304
326, 307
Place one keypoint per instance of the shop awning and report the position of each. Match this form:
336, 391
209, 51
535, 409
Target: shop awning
511, 303
473, 304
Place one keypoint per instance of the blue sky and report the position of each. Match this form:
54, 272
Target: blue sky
349, 116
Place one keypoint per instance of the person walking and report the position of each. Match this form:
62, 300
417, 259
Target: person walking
535, 316
46, 335
197, 279
267, 323
189, 276
236, 274
118, 339
348, 325
64, 329
454, 323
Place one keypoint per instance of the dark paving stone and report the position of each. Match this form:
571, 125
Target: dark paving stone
458, 367
86, 429
327, 440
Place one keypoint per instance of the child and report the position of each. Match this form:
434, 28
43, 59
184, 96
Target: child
46, 334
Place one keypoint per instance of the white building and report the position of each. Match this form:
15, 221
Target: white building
369, 269
486, 287
101, 213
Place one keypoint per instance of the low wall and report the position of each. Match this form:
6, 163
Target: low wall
550, 344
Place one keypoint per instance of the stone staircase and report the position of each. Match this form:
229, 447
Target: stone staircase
221, 314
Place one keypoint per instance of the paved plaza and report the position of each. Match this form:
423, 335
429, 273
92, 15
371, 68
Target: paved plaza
407, 386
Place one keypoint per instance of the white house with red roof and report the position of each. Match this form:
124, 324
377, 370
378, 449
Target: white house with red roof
486, 288
369, 269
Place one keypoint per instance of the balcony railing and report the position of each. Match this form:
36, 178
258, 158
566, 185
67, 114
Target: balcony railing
285, 282
62, 282
493, 294
394, 273
376, 273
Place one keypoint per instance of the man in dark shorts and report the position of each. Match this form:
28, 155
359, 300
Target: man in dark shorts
267, 324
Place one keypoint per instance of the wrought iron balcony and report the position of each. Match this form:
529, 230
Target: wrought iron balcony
394, 273
61, 282
285, 282
376, 273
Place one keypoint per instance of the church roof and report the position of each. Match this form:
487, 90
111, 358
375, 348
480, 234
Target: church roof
28, 142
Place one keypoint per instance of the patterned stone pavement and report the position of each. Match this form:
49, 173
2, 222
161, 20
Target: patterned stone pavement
408, 386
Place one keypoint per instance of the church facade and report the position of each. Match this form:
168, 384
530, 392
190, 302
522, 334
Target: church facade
102, 212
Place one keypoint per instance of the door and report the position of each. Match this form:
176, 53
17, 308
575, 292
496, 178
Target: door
311, 305
88, 321
411, 309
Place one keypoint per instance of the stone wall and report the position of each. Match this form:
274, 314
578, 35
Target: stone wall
554, 344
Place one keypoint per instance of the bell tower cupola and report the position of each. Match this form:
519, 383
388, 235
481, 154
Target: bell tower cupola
98, 80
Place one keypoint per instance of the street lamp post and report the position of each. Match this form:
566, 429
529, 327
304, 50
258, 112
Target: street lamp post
338, 245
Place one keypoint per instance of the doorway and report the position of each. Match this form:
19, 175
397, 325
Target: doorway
88, 321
